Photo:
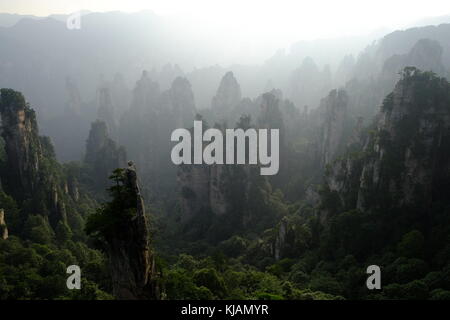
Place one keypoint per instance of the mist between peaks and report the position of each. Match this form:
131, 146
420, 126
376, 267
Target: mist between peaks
235, 147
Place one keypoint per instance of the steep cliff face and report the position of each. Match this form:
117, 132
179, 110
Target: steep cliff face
392, 177
425, 55
132, 261
411, 151
202, 188
179, 102
74, 98
227, 198
30, 173
270, 116
217, 199
227, 97
401, 42
105, 110
334, 120
3, 227
405, 159
22, 144
280, 239
194, 189
123, 226
166, 75
67, 127
102, 154
120, 95
145, 94
309, 84
345, 70
147, 126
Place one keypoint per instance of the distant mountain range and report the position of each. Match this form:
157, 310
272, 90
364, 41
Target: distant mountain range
39, 55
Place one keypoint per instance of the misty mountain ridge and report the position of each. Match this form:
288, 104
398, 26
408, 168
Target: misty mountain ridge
39, 55
364, 140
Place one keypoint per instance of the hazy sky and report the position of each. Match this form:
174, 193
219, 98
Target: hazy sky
288, 20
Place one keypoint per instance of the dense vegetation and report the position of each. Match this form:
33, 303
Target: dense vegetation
290, 236
323, 250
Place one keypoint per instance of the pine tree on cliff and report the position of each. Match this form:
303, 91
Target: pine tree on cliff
121, 228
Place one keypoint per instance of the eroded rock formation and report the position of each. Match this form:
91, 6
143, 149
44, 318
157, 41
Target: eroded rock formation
308, 84
145, 94
179, 102
227, 97
3, 227
105, 111
334, 121
22, 144
133, 267
32, 175
405, 159
102, 154
425, 55
74, 98
202, 188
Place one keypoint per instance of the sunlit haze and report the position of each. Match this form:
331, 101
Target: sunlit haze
275, 21
240, 151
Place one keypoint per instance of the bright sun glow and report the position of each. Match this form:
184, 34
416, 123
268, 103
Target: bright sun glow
257, 27
285, 19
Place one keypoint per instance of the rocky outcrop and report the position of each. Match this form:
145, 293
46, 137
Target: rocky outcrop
334, 115
280, 239
146, 126
3, 227
227, 97
308, 84
74, 98
217, 198
72, 188
270, 116
194, 189
405, 160
202, 188
22, 144
166, 75
105, 111
120, 95
425, 55
32, 176
410, 152
102, 155
145, 94
212, 188
345, 71
179, 102
132, 263
289, 238
67, 128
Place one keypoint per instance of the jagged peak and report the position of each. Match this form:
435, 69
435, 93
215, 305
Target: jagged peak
422, 87
228, 94
11, 99
181, 82
409, 132
229, 80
